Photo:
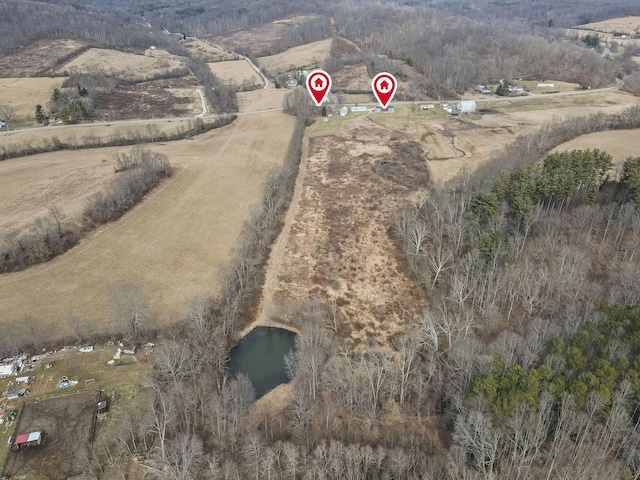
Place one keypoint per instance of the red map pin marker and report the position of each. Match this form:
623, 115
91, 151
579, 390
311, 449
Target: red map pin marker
318, 84
384, 87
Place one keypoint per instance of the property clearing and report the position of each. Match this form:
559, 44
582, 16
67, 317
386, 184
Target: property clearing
67, 424
262, 39
236, 72
351, 78
340, 245
23, 94
206, 51
311, 55
173, 244
129, 66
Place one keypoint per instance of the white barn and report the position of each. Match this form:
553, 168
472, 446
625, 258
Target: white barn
466, 106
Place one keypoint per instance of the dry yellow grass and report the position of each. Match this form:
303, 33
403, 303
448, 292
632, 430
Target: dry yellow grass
77, 133
173, 244
628, 24
351, 77
29, 186
620, 144
311, 55
261, 99
122, 64
262, 38
235, 72
23, 94
207, 52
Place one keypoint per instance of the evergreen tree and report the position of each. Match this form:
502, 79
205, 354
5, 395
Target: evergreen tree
40, 115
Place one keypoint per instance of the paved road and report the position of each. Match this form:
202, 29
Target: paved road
487, 99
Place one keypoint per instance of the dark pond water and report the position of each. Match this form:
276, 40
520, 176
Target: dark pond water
260, 354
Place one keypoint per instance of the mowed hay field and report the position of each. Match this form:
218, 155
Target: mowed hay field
77, 134
122, 64
23, 94
628, 25
261, 99
311, 55
620, 144
235, 72
29, 186
173, 244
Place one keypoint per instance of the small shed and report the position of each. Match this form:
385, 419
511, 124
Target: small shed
344, 111
466, 106
102, 407
359, 108
28, 439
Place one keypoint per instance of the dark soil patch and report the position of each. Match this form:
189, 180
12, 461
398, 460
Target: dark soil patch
66, 423
151, 99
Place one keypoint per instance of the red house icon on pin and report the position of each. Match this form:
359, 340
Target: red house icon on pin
319, 83
384, 85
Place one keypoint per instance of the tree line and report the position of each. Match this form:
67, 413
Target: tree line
49, 236
117, 139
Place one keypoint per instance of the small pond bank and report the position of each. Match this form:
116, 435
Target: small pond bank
260, 355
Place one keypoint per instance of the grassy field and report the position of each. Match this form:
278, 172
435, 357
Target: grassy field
235, 72
351, 77
207, 52
309, 56
340, 213
23, 94
124, 65
532, 86
173, 244
77, 134
628, 25
620, 144
30, 186
261, 99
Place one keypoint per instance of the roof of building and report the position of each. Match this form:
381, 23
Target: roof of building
28, 437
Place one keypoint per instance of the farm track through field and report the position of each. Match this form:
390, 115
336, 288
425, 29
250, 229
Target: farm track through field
278, 252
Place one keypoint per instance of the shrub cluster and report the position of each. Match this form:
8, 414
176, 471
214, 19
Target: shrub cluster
140, 172
42, 240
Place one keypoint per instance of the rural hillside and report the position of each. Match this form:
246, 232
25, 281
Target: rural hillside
206, 274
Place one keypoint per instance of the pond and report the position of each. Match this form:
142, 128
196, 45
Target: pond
260, 354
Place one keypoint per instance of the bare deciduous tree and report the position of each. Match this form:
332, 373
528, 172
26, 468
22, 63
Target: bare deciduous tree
129, 307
